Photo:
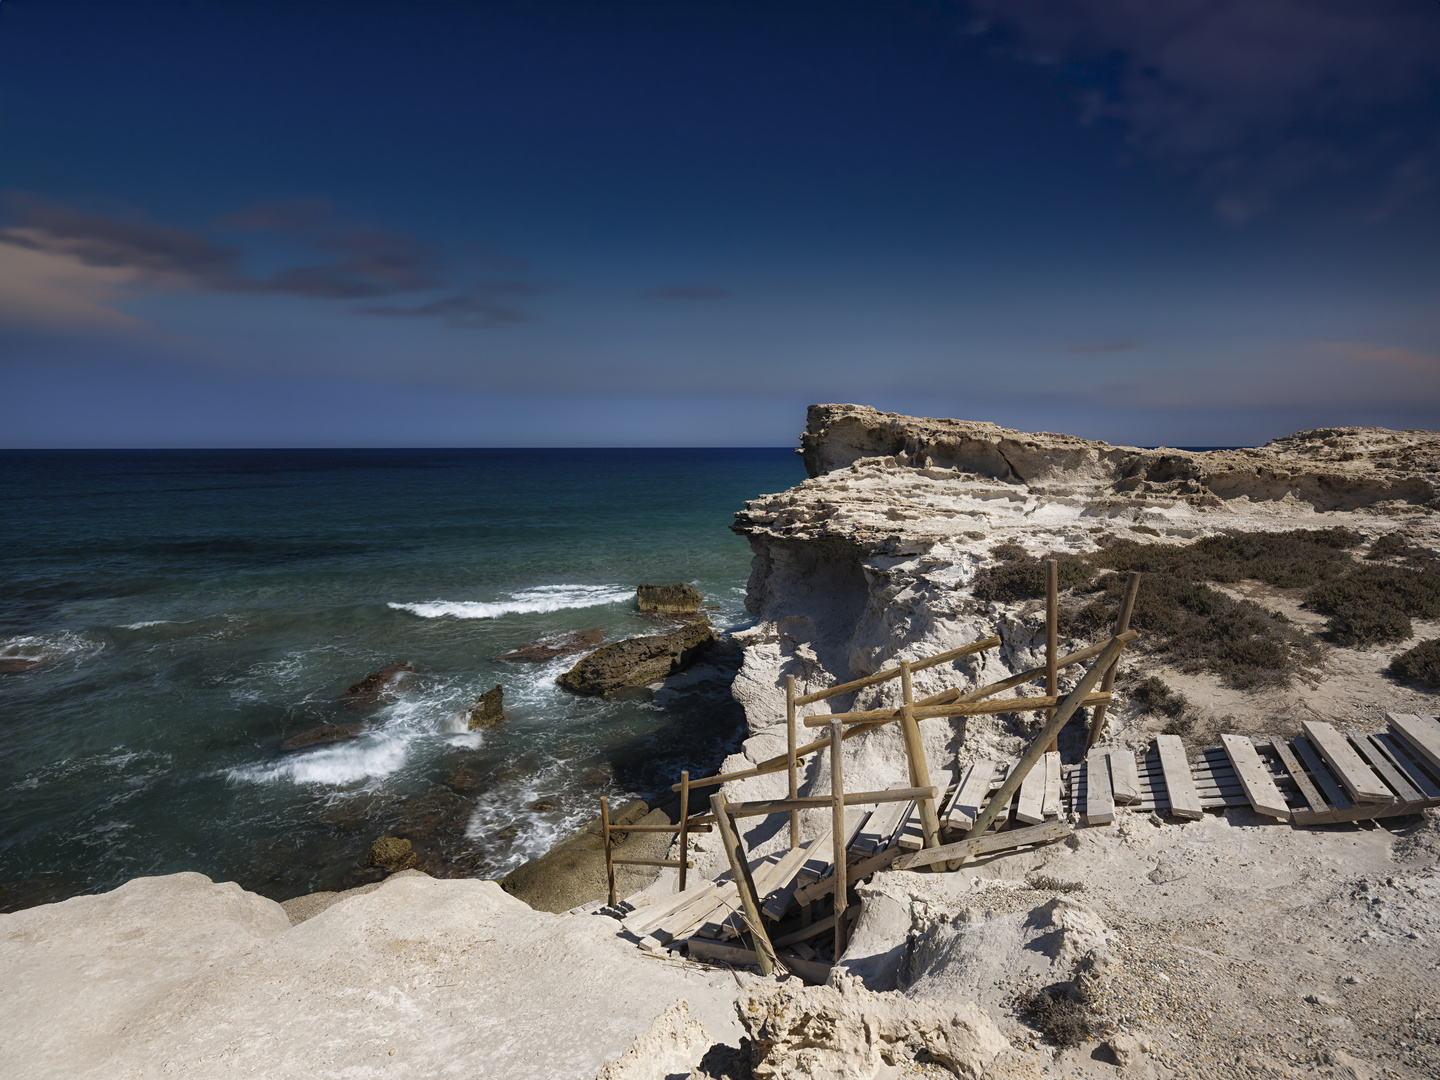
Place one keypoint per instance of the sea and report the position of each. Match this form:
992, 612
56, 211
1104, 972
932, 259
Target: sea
168, 618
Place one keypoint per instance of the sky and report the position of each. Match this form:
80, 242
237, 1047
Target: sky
430, 223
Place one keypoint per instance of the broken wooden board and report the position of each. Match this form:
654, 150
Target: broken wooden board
1407, 797
1357, 777
818, 865
1255, 778
811, 971
880, 826
970, 795
1323, 779
983, 845
1314, 801
782, 889
1099, 800
1124, 778
1410, 763
1179, 784
1051, 806
1031, 807
1421, 732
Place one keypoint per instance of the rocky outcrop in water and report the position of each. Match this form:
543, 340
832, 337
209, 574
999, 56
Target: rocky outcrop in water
323, 735
678, 599
547, 648
391, 853
371, 690
640, 660
488, 711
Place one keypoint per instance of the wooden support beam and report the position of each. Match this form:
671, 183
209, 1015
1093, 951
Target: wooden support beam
685, 828
894, 673
818, 802
811, 971
1052, 617
775, 764
919, 767
609, 854
651, 862
1001, 800
1122, 623
1255, 778
621, 830
790, 744
745, 884
876, 717
837, 833
817, 927
855, 872
970, 847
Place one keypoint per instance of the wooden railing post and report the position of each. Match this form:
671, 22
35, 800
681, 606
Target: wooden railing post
609, 855
744, 885
837, 835
915, 752
790, 743
1052, 623
1122, 623
684, 827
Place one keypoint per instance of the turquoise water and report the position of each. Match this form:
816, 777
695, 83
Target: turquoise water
193, 609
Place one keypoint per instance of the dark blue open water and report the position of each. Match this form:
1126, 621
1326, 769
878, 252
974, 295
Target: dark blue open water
193, 609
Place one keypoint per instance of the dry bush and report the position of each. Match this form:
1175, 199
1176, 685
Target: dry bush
1061, 1019
1373, 605
1390, 544
1422, 664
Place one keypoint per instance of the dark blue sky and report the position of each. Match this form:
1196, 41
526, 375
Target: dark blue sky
431, 223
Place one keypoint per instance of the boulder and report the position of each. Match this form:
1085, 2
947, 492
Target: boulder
391, 853
488, 711
322, 735
369, 691
640, 660
845, 1032
678, 599
547, 648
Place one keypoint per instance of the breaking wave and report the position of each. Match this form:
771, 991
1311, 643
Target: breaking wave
542, 599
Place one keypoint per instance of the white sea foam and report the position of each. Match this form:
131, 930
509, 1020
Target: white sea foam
48, 647
372, 756
539, 600
143, 625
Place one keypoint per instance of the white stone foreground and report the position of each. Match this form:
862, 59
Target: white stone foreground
178, 975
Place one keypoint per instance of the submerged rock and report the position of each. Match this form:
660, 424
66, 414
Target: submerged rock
322, 735
679, 599
641, 660
488, 711
368, 691
547, 648
391, 853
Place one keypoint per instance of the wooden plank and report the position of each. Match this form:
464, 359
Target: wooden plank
1124, 778
805, 933
766, 807
811, 971
1179, 784
858, 871
1329, 786
883, 822
767, 877
782, 889
986, 844
714, 905
1409, 798
1406, 760
744, 882
919, 766
818, 865
1031, 808
998, 706
1259, 785
1420, 731
1099, 802
1051, 806
970, 794
1359, 779
910, 836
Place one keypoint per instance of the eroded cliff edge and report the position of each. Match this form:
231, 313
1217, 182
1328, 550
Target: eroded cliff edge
875, 559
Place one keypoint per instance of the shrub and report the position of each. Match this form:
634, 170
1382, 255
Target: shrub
1062, 1020
1390, 544
1008, 551
1024, 577
1287, 560
1422, 664
1374, 604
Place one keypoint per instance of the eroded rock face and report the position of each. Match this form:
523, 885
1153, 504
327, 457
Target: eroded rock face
322, 736
848, 1033
640, 660
679, 599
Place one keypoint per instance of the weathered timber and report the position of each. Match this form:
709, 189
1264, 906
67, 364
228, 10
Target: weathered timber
1359, 780
745, 884
1179, 784
817, 802
894, 673
1124, 778
1099, 799
1122, 623
1255, 778
984, 845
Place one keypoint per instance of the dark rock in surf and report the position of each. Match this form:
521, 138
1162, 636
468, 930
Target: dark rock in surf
463, 779
678, 599
441, 810
547, 648
369, 691
488, 711
10, 665
391, 853
641, 660
322, 736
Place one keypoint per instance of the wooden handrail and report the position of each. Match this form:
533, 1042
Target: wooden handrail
959, 708
894, 673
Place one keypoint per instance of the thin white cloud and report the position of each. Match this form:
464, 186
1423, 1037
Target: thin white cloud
47, 290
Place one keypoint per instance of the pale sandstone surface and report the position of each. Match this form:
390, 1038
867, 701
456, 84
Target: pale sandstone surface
179, 975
